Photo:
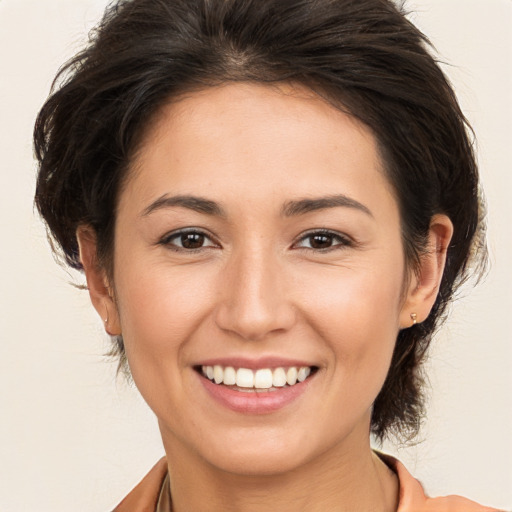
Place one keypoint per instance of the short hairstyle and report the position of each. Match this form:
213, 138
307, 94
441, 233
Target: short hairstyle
364, 57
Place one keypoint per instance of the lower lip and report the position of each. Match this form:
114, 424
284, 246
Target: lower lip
255, 402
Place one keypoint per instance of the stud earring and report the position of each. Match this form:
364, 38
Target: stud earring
414, 318
106, 324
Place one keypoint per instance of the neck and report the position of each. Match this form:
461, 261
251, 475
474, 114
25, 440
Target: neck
340, 480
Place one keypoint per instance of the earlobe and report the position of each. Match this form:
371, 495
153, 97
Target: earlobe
100, 290
424, 284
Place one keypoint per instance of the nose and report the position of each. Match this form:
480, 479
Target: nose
254, 297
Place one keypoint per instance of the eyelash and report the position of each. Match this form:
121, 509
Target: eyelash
167, 240
343, 241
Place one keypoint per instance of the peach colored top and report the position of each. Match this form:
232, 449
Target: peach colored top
152, 494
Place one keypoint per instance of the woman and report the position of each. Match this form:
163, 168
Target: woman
273, 203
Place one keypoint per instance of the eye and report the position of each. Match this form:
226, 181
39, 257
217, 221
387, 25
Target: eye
188, 240
323, 240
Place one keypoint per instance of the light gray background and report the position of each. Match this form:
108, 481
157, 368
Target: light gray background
74, 438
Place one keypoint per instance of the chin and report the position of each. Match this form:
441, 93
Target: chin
259, 460
265, 452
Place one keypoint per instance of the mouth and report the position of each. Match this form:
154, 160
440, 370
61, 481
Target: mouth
256, 380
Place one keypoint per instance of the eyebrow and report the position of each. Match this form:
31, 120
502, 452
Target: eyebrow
290, 208
307, 205
198, 204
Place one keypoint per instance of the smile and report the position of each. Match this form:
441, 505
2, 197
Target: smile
245, 379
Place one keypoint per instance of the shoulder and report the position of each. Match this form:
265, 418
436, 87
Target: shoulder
413, 498
144, 497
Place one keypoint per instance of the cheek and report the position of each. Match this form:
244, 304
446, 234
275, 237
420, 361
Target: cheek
355, 299
160, 311
161, 308
356, 312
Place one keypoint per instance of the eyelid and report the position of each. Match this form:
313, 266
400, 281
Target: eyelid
166, 239
343, 239
346, 241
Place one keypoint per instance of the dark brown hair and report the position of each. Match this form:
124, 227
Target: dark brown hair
363, 56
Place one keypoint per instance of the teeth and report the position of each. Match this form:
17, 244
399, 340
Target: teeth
229, 376
303, 374
244, 378
291, 376
218, 374
264, 378
279, 378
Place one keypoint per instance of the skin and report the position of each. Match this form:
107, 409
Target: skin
260, 287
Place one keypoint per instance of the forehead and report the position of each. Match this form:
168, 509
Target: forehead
248, 140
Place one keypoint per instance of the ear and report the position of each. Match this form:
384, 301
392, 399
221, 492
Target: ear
100, 290
425, 282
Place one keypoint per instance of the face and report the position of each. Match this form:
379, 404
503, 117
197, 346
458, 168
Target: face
257, 231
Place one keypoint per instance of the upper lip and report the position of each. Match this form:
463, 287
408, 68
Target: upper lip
255, 363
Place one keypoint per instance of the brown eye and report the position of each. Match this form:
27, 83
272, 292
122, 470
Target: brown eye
192, 240
320, 241
323, 240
